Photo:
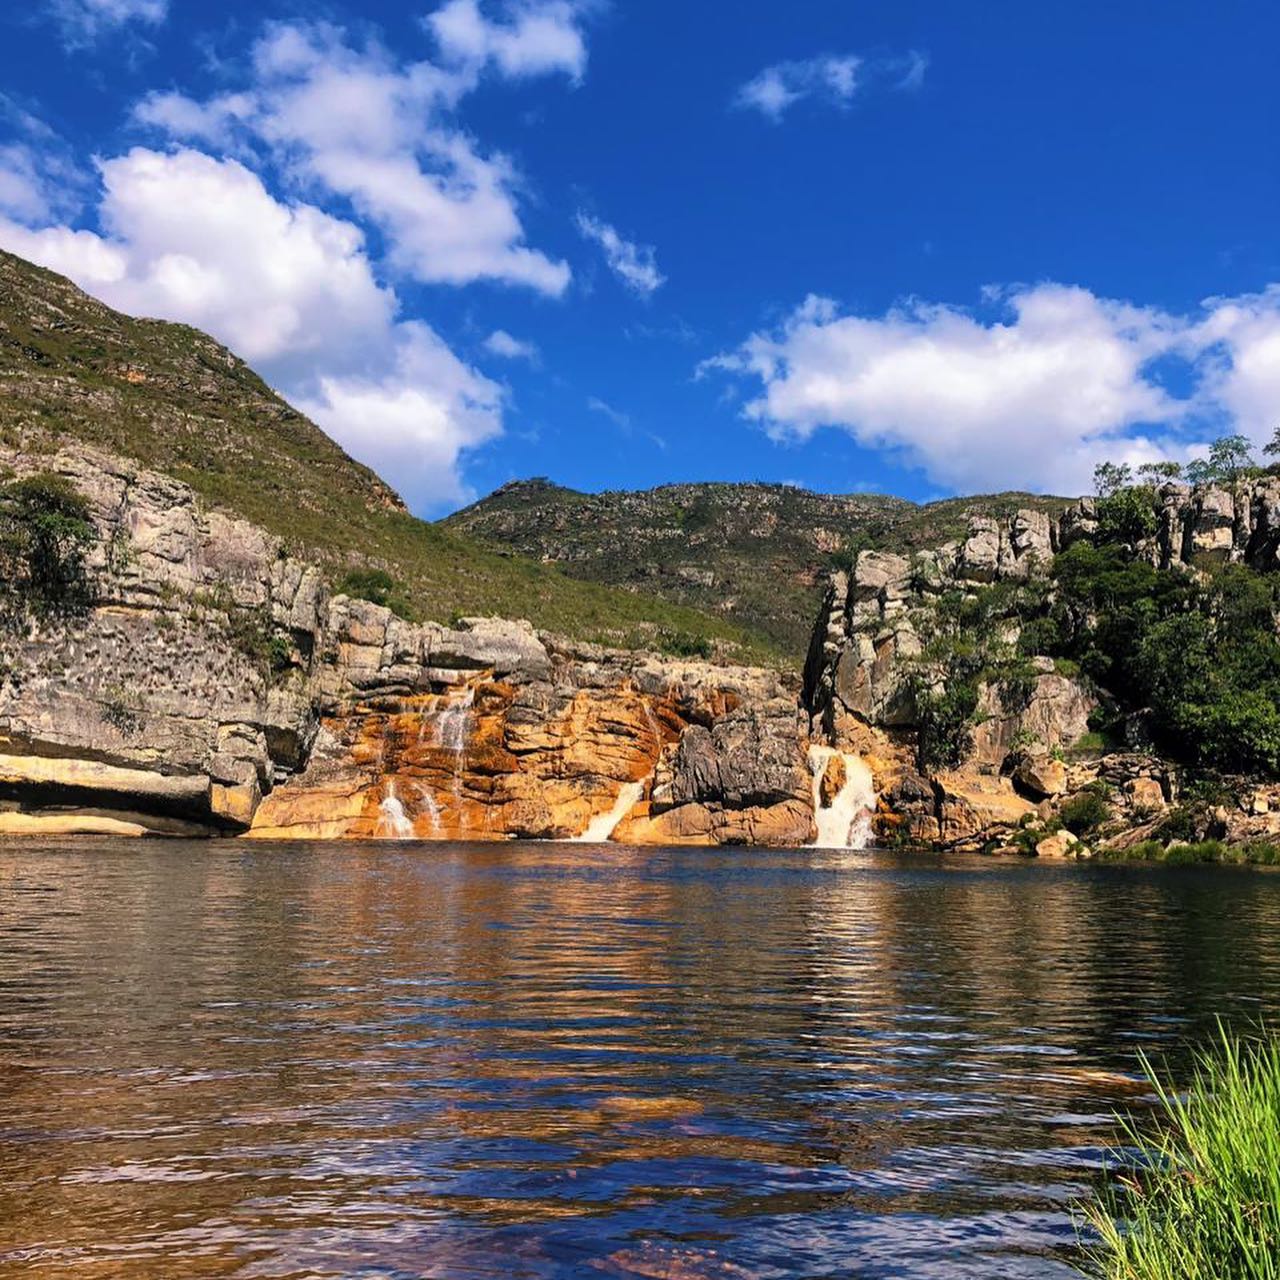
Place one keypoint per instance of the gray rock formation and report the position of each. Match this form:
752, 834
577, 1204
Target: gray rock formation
215, 670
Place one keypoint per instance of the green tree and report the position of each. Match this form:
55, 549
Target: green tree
1127, 515
1109, 477
1272, 448
45, 534
1158, 473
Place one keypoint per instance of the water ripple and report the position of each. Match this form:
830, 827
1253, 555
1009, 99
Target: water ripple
228, 1060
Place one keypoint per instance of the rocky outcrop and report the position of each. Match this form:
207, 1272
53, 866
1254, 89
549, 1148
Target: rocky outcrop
217, 686
879, 622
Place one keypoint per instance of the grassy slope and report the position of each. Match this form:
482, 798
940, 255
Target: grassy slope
758, 553
73, 370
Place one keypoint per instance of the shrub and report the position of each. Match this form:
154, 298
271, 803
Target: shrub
376, 586
1198, 1192
1128, 515
1179, 823
1087, 811
1263, 853
1146, 851
45, 534
683, 644
944, 721
1202, 851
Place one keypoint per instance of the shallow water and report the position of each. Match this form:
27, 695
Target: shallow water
554, 1060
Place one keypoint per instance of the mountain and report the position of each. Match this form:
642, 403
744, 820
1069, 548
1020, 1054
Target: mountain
757, 554
74, 371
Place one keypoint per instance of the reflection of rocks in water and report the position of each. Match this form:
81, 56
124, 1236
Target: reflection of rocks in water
668, 1262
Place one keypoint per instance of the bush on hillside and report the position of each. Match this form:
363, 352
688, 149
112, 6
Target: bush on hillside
376, 586
45, 536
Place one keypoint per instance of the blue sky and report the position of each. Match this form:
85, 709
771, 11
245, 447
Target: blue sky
912, 247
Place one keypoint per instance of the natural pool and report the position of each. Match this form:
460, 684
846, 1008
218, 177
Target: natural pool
393, 1061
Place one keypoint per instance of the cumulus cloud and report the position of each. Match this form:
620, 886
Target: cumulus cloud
195, 233
290, 287
415, 418
352, 121
635, 265
829, 78
1033, 397
1242, 337
501, 343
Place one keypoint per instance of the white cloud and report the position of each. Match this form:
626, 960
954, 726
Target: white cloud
829, 78
25, 192
619, 419
39, 179
414, 419
1032, 399
538, 37
84, 21
501, 343
634, 264
1242, 336
192, 238
355, 123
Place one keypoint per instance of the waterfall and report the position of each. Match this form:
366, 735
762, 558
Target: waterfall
601, 828
454, 723
427, 720
432, 807
846, 822
393, 822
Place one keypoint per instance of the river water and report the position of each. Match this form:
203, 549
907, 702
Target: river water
403, 1061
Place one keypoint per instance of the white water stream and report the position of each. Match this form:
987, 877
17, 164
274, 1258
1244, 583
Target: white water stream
846, 823
602, 827
393, 822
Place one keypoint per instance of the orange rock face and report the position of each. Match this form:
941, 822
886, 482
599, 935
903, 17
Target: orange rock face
473, 763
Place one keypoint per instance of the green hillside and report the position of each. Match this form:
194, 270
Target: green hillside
757, 554
73, 370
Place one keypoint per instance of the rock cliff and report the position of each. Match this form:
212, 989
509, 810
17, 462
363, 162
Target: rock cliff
216, 685
877, 644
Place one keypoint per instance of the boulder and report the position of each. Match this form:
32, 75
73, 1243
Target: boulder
1042, 776
980, 553
972, 807
1145, 794
1061, 845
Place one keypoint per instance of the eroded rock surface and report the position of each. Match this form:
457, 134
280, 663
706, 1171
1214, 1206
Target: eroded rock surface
216, 685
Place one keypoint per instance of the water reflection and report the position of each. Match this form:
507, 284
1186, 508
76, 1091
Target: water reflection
257, 1061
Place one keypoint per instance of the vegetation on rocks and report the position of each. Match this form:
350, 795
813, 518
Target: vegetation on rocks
45, 534
1259, 853
1197, 1196
1196, 656
970, 644
1190, 661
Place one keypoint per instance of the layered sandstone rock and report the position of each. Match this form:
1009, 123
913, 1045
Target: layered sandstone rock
217, 686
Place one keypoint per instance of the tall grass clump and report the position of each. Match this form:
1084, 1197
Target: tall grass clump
1200, 1199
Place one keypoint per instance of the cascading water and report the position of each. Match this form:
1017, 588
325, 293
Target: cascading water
602, 827
393, 822
454, 723
431, 807
846, 823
